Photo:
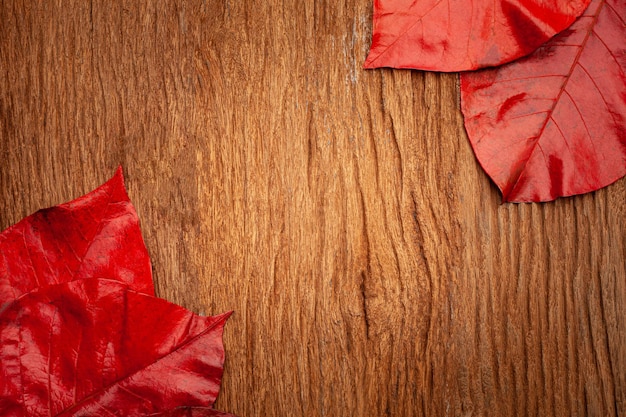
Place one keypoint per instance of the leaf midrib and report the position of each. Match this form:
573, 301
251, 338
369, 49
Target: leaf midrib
557, 99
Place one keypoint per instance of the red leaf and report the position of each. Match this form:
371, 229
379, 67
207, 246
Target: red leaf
554, 124
459, 35
95, 347
96, 235
74, 343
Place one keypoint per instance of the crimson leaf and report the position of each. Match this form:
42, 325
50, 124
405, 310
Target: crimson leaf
95, 347
96, 235
459, 35
554, 124
80, 331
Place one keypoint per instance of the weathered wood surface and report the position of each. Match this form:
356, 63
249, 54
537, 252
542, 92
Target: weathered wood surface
339, 212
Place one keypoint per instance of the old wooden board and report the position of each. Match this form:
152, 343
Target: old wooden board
340, 212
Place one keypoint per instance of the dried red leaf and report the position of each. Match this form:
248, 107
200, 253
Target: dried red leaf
459, 35
95, 347
81, 333
554, 124
96, 235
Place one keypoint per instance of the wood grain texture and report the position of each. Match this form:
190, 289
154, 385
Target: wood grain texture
339, 212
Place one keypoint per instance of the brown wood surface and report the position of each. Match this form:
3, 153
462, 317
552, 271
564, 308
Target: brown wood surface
340, 212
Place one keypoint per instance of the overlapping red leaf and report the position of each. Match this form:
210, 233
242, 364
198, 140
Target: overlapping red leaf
460, 35
94, 347
80, 330
96, 235
554, 124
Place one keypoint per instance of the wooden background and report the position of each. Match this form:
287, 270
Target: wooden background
339, 212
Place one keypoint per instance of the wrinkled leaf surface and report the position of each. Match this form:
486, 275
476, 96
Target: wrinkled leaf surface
96, 235
96, 347
459, 35
554, 124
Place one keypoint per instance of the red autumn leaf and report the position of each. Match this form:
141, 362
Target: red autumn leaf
554, 124
95, 347
96, 235
460, 35
81, 333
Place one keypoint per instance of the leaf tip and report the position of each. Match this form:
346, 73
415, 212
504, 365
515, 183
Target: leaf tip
119, 175
226, 315
220, 319
368, 63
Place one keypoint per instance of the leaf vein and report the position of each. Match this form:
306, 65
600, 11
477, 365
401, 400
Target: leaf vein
606, 103
563, 87
401, 35
129, 376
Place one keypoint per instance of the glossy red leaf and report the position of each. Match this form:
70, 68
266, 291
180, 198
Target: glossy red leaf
554, 124
460, 35
95, 347
96, 235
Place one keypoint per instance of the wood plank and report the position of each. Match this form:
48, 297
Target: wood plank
340, 212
